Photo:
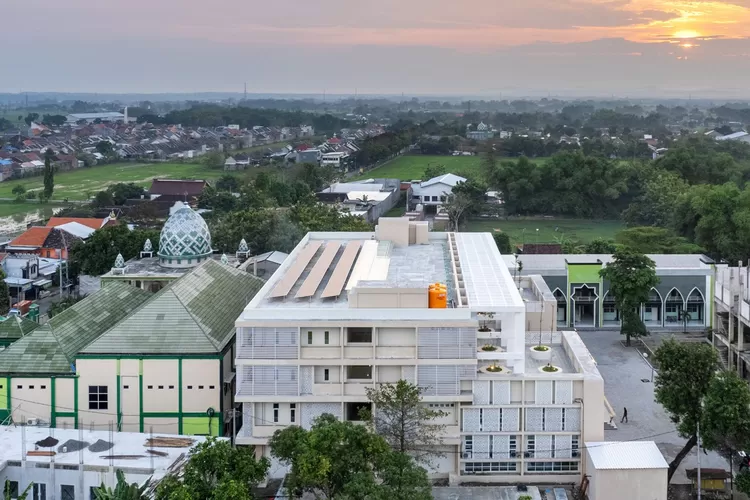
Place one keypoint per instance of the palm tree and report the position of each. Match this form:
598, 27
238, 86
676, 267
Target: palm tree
123, 490
9, 495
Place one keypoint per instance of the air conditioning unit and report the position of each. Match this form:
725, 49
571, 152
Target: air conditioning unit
466, 455
576, 454
527, 454
513, 454
32, 421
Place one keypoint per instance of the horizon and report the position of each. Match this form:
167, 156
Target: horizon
596, 48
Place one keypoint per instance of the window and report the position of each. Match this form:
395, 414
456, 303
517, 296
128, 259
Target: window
327, 337
359, 335
42, 386
19, 387
354, 411
468, 446
530, 446
309, 338
276, 412
489, 467
359, 372
31, 387
150, 387
67, 492
326, 375
574, 449
171, 387
292, 412
13, 489
98, 399
92, 492
210, 387
434, 198
441, 405
552, 466
39, 492
126, 387
190, 387
200, 387
161, 387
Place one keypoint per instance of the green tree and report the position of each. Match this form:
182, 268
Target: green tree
310, 215
20, 191
655, 206
123, 490
600, 245
54, 120
103, 199
121, 192
216, 471
686, 371
502, 240
631, 276
434, 170
742, 482
4, 294
97, 254
338, 460
466, 199
214, 160
49, 174
649, 239
725, 426
404, 421
31, 117
227, 183
263, 229
105, 148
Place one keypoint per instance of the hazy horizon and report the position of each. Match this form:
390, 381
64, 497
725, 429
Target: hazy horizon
625, 48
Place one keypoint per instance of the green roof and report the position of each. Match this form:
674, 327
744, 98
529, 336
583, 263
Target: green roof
14, 327
193, 315
52, 348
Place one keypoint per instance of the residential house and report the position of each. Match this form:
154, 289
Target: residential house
307, 155
368, 199
482, 132
434, 192
230, 164
737, 136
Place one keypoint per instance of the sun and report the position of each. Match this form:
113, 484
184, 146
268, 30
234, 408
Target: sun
686, 34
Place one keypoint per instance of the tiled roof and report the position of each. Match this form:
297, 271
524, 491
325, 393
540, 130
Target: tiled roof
86, 221
177, 187
15, 327
52, 348
32, 237
194, 315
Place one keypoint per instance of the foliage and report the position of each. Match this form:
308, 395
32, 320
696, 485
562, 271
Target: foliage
49, 175
105, 148
649, 239
98, 252
336, 459
401, 418
121, 192
433, 171
20, 191
263, 229
466, 199
8, 494
742, 482
656, 202
213, 160
631, 276
103, 199
216, 471
686, 371
310, 215
316, 176
725, 423
600, 245
502, 240
123, 490
31, 117
58, 307
54, 120
227, 183
4, 294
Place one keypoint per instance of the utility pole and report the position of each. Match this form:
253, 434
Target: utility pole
698, 436
245, 98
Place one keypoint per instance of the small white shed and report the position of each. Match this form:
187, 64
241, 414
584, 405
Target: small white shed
626, 470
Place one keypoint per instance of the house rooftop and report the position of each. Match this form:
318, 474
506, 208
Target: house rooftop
625, 455
129, 449
337, 275
547, 264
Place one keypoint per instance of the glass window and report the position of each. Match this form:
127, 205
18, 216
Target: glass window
13, 489
98, 397
326, 337
67, 492
292, 412
309, 338
552, 466
276, 412
359, 335
326, 375
361, 372
39, 491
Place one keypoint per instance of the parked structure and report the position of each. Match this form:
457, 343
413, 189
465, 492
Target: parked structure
434, 192
625, 470
369, 199
682, 299
312, 343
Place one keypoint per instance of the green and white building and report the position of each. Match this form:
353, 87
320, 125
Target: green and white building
682, 297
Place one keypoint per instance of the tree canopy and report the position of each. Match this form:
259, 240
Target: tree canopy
98, 252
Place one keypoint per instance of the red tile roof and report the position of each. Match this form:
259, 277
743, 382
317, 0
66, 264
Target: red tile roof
91, 222
177, 187
33, 237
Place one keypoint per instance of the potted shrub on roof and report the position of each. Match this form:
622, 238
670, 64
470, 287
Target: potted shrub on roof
541, 352
484, 322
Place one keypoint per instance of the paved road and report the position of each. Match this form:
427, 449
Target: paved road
622, 369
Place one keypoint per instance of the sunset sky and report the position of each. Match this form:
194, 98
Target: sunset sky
480, 47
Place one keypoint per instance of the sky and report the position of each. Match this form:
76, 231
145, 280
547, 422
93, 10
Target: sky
441, 47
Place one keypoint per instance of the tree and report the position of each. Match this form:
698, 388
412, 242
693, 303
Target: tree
31, 117
4, 294
433, 171
227, 183
600, 245
49, 174
686, 371
98, 252
631, 276
122, 192
404, 421
105, 148
502, 240
742, 482
123, 490
649, 239
466, 199
20, 191
214, 160
336, 459
215, 471
103, 199
54, 120
725, 426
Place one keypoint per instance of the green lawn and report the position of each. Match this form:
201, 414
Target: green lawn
550, 230
412, 167
84, 182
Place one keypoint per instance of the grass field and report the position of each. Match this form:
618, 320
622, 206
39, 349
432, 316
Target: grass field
411, 167
550, 230
84, 182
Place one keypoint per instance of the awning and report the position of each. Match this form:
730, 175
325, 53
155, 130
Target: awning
41, 283
17, 281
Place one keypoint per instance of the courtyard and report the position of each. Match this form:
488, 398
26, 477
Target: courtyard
623, 370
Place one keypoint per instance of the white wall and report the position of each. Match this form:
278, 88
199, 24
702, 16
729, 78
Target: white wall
643, 484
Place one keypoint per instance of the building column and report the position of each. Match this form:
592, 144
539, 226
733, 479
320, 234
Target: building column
730, 336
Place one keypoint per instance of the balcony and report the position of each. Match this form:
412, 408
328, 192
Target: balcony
266, 431
328, 389
321, 352
357, 388
358, 352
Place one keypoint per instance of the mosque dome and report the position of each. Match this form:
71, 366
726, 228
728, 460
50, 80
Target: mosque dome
185, 240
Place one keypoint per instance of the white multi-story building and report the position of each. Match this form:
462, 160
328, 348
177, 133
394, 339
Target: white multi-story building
348, 311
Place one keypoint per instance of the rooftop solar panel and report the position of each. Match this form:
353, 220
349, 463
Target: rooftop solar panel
340, 273
284, 286
311, 284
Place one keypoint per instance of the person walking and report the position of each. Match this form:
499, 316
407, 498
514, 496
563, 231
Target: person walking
624, 415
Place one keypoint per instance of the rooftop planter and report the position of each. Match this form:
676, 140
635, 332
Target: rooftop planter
541, 352
549, 368
494, 369
485, 319
490, 348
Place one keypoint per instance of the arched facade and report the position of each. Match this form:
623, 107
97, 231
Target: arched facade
674, 306
584, 303
562, 307
653, 309
695, 308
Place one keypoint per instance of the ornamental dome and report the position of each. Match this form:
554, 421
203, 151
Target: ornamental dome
184, 240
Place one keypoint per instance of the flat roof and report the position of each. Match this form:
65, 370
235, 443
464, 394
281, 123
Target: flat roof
625, 455
553, 262
149, 268
13, 444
